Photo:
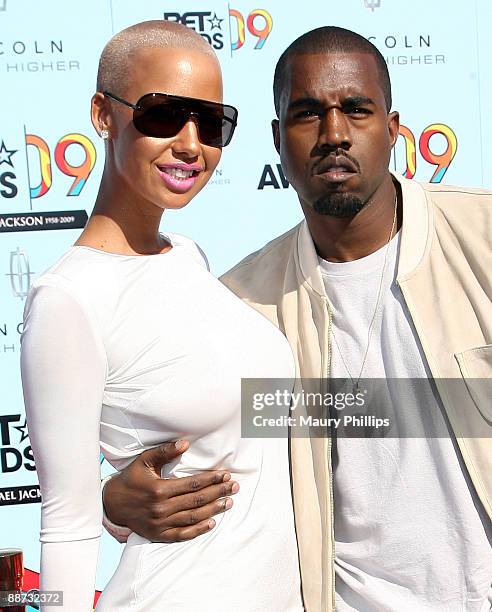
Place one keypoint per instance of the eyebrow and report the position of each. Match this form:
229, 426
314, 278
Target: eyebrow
302, 102
350, 101
357, 101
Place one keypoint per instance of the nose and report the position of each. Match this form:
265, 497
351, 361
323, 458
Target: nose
334, 130
187, 140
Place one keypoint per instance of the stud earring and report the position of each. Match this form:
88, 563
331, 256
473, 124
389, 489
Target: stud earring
104, 134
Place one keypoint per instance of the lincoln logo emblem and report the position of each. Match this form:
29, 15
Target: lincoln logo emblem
372, 4
20, 273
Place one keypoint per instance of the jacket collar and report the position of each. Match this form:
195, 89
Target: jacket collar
308, 260
416, 228
415, 239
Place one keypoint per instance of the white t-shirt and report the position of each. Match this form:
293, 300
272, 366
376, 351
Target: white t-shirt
125, 352
410, 532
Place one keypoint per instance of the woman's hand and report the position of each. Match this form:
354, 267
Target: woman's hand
166, 509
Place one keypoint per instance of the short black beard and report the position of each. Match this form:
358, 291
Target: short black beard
338, 205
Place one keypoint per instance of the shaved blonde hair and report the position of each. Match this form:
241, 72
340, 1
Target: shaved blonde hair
118, 54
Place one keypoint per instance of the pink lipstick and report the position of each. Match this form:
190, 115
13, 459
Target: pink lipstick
179, 177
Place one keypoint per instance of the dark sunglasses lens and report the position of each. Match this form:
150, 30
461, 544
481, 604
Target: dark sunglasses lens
160, 119
210, 128
165, 117
216, 125
229, 124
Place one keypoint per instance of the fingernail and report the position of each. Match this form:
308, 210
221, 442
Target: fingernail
180, 445
211, 524
226, 477
228, 504
235, 488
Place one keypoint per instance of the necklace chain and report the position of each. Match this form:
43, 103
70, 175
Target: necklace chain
355, 383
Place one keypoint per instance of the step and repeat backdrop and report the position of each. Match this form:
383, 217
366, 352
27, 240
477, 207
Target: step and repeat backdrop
51, 159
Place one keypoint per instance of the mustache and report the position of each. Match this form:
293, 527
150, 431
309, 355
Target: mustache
339, 157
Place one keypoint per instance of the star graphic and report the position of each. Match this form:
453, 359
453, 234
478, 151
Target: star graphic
22, 429
6, 154
215, 22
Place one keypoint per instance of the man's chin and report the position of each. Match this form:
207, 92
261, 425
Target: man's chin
338, 205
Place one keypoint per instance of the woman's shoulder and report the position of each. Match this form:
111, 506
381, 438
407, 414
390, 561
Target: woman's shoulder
87, 278
80, 268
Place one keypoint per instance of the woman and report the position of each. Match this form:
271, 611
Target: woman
129, 341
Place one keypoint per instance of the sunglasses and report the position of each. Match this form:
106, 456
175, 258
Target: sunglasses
162, 115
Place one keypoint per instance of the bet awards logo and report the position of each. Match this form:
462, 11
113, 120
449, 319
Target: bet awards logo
372, 4
8, 189
20, 273
258, 24
39, 157
425, 143
15, 453
204, 22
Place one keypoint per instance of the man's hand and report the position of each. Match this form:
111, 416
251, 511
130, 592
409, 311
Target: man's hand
166, 509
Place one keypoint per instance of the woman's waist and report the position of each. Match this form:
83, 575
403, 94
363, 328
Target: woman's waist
255, 559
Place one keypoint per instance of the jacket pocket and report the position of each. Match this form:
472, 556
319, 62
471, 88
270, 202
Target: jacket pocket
476, 368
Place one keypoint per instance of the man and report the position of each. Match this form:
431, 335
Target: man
384, 278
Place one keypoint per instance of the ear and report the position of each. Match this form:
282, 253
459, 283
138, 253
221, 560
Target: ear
393, 126
100, 115
276, 134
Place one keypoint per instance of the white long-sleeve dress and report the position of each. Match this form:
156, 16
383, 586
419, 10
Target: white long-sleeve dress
121, 353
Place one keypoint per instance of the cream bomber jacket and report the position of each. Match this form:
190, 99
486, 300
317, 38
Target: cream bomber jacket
445, 275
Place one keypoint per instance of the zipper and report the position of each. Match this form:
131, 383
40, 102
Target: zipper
330, 479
